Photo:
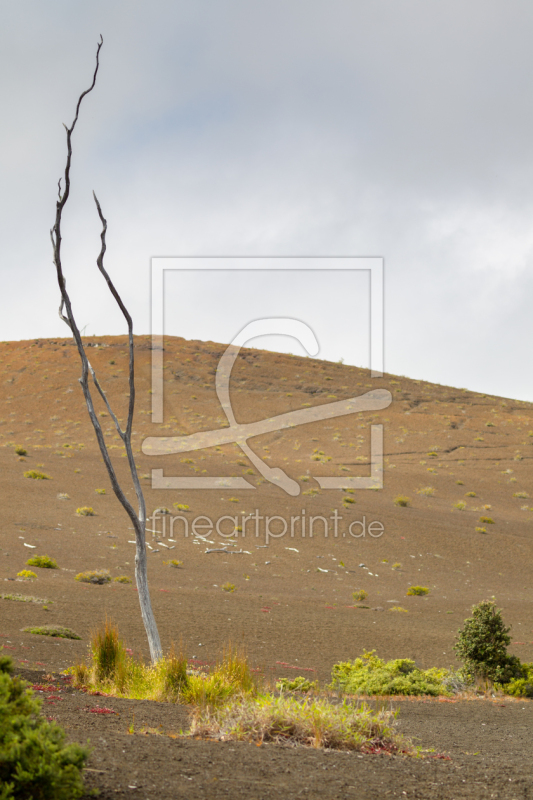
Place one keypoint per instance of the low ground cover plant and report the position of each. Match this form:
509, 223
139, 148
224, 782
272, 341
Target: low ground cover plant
312, 723
370, 675
98, 576
34, 760
36, 475
298, 684
25, 598
57, 631
417, 591
85, 511
402, 501
43, 562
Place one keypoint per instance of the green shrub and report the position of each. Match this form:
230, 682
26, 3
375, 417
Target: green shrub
85, 511
371, 675
228, 587
26, 575
522, 686
482, 646
299, 684
38, 476
181, 506
99, 576
21, 451
487, 520
402, 501
174, 562
34, 760
122, 579
417, 590
428, 491
43, 562
359, 595
460, 505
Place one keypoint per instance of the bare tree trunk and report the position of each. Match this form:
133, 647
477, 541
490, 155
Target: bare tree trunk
65, 312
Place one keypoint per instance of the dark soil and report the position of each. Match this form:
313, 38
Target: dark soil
482, 750
292, 607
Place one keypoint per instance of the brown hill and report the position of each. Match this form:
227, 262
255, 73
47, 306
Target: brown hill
458, 455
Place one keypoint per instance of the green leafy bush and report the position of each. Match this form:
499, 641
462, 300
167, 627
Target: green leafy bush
522, 686
402, 501
44, 562
38, 476
371, 675
359, 595
122, 579
417, 590
21, 451
298, 684
26, 575
34, 760
482, 646
85, 511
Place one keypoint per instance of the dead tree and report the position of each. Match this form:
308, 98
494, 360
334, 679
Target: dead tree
65, 312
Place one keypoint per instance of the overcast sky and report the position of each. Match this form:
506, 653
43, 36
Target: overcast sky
340, 127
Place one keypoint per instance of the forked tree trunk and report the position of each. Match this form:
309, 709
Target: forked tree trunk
65, 312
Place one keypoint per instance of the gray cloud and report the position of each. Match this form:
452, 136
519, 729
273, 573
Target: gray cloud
400, 130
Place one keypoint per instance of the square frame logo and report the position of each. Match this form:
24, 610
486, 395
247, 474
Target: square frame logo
374, 400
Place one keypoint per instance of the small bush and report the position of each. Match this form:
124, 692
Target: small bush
521, 686
428, 491
228, 587
371, 675
162, 510
522, 495
57, 631
482, 646
99, 576
396, 565
174, 562
122, 579
402, 501
359, 595
43, 562
26, 575
85, 511
34, 760
487, 520
470, 494
100, 491
399, 608
181, 506
299, 684
63, 496
21, 451
460, 483
417, 590
481, 530
460, 505
36, 475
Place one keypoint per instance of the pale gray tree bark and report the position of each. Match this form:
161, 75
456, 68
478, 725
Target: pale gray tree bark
65, 312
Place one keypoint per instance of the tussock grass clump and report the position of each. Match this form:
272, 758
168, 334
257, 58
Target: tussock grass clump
36, 475
34, 760
99, 576
402, 501
43, 562
85, 511
57, 631
26, 575
417, 591
371, 675
311, 723
108, 651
